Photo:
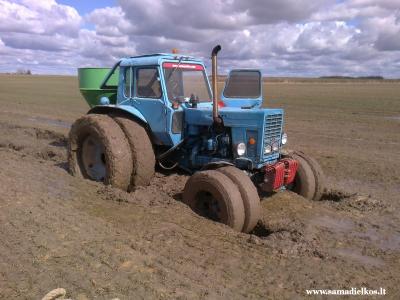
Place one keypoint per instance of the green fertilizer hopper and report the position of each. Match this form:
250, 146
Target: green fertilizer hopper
91, 84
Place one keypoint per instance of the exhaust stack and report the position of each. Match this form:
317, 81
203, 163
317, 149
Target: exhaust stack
214, 53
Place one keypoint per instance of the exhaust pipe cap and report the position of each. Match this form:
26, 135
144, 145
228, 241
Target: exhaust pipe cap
215, 50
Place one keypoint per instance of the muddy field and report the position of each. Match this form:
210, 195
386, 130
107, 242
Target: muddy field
98, 242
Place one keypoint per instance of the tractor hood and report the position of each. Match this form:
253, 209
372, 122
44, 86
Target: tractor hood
231, 116
243, 88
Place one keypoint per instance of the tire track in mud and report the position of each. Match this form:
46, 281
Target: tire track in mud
94, 240
39, 143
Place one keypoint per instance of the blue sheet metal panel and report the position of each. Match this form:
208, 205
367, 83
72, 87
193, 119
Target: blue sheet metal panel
242, 121
252, 150
238, 136
198, 116
175, 138
236, 117
156, 115
233, 117
127, 108
260, 143
156, 59
132, 110
241, 102
120, 91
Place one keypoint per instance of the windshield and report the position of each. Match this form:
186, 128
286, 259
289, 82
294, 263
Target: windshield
185, 80
243, 84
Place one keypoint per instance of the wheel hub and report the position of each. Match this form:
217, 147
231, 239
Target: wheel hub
94, 158
207, 206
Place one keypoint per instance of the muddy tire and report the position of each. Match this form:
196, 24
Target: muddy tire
143, 159
248, 191
320, 181
213, 195
310, 180
98, 150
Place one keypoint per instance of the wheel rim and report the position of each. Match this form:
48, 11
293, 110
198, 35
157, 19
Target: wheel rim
208, 206
94, 158
292, 186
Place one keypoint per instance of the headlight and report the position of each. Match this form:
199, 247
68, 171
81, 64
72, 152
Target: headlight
241, 149
284, 139
275, 146
267, 149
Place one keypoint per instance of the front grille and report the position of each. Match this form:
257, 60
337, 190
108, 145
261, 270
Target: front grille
272, 129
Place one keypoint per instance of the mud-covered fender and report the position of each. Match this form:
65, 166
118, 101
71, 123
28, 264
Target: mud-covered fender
121, 109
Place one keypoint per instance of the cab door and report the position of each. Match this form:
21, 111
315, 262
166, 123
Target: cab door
148, 99
243, 88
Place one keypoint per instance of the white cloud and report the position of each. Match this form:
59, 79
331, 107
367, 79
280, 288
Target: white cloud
109, 21
282, 37
273, 11
38, 17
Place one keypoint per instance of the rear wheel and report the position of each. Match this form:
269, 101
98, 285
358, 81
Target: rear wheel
249, 194
143, 159
98, 150
310, 180
213, 195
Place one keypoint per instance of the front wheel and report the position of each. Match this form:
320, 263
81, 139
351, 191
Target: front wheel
213, 195
248, 191
309, 181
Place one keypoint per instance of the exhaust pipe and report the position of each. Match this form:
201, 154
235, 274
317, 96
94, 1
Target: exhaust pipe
214, 53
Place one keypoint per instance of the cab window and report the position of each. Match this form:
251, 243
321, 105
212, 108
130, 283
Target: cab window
185, 80
148, 83
243, 84
128, 83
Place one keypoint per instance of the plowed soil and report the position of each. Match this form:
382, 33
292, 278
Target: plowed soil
98, 242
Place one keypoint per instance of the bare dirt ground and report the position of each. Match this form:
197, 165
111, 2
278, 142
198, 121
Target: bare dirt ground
98, 242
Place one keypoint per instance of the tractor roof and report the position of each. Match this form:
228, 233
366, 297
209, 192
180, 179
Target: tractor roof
156, 59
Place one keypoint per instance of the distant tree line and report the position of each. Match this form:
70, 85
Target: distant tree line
350, 77
23, 72
337, 77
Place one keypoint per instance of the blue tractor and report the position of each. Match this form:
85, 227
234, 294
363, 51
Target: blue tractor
160, 109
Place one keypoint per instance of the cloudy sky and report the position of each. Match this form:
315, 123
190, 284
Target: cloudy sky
281, 37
